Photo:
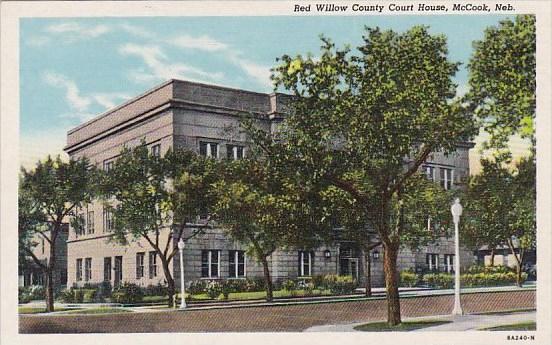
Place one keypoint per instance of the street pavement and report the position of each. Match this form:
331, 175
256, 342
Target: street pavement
276, 318
471, 322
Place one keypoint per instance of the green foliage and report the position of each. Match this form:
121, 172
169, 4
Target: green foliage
438, 280
339, 284
289, 285
89, 295
197, 286
127, 293
214, 289
503, 80
474, 277
156, 290
408, 278
30, 293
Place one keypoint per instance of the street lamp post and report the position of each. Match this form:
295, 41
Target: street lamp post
182, 288
456, 210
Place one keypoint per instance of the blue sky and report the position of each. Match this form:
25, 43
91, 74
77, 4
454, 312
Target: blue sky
72, 69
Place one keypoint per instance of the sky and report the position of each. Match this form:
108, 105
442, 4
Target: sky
72, 69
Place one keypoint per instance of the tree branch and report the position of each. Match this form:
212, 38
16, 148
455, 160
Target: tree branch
347, 186
35, 258
413, 168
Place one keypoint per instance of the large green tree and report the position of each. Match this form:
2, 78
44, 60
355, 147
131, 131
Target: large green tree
365, 122
501, 203
48, 195
264, 209
159, 200
502, 80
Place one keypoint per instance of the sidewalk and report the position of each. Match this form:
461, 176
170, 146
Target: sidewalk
459, 323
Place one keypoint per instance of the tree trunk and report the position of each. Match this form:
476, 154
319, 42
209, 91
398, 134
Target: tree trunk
392, 284
368, 274
492, 257
170, 282
50, 270
268, 279
518, 262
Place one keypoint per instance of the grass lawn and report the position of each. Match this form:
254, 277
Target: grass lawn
99, 310
38, 310
403, 327
520, 326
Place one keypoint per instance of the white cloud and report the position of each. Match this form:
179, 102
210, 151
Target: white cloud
136, 30
159, 66
75, 31
258, 72
38, 41
204, 42
110, 100
72, 92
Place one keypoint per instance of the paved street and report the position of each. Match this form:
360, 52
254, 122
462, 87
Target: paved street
288, 318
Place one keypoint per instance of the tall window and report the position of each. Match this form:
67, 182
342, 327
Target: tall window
90, 222
88, 269
118, 270
152, 265
449, 263
107, 165
432, 262
208, 149
234, 152
156, 150
236, 263
430, 172
140, 265
210, 263
79, 270
305, 263
447, 177
107, 220
107, 269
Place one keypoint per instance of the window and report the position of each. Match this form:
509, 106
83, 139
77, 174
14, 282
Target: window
156, 150
152, 265
118, 270
236, 263
79, 225
430, 172
305, 263
88, 269
140, 265
432, 262
208, 149
79, 270
449, 263
107, 165
107, 220
234, 152
447, 177
107, 269
90, 222
210, 263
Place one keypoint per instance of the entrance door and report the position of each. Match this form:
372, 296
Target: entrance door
349, 267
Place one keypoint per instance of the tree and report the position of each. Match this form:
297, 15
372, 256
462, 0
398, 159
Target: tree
501, 203
502, 80
156, 199
48, 195
265, 210
365, 123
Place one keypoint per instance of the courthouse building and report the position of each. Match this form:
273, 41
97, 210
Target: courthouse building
182, 114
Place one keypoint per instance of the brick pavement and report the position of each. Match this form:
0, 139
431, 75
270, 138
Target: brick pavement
291, 318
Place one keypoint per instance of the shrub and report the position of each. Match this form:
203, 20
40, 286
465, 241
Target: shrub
408, 278
23, 295
339, 284
156, 290
236, 285
227, 286
197, 287
127, 293
255, 284
67, 296
89, 295
214, 289
318, 281
289, 285
78, 295
438, 280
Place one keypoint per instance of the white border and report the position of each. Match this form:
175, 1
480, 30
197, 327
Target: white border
9, 129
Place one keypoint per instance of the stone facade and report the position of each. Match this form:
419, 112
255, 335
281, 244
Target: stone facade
188, 115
